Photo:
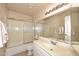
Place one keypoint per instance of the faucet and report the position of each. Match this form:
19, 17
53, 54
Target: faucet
54, 43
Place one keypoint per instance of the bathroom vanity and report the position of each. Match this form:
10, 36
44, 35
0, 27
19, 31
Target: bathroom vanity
44, 47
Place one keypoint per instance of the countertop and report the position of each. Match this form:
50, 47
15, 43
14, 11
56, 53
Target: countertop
56, 50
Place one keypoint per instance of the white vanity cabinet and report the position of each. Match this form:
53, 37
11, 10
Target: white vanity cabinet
42, 47
38, 51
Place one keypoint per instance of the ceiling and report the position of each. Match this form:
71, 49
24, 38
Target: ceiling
30, 9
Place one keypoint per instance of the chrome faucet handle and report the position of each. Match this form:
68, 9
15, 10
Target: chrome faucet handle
54, 43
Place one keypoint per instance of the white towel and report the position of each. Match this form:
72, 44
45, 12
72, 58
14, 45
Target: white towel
3, 32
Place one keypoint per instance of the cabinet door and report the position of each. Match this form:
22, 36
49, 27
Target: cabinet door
15, 33
28, 32
38, 51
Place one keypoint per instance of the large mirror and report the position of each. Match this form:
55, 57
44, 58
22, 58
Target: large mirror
54, 26
57, 26
63, 26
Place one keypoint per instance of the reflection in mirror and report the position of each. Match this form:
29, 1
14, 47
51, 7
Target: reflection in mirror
63, 26
38, 29
54, 26
68, 28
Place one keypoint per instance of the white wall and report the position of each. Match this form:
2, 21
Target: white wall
3, 11
3, 14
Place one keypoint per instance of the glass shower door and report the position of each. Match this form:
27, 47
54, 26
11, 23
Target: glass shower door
19, 33
15, 33
28, 31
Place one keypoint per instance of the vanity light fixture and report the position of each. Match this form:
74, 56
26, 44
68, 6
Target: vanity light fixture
55, 8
